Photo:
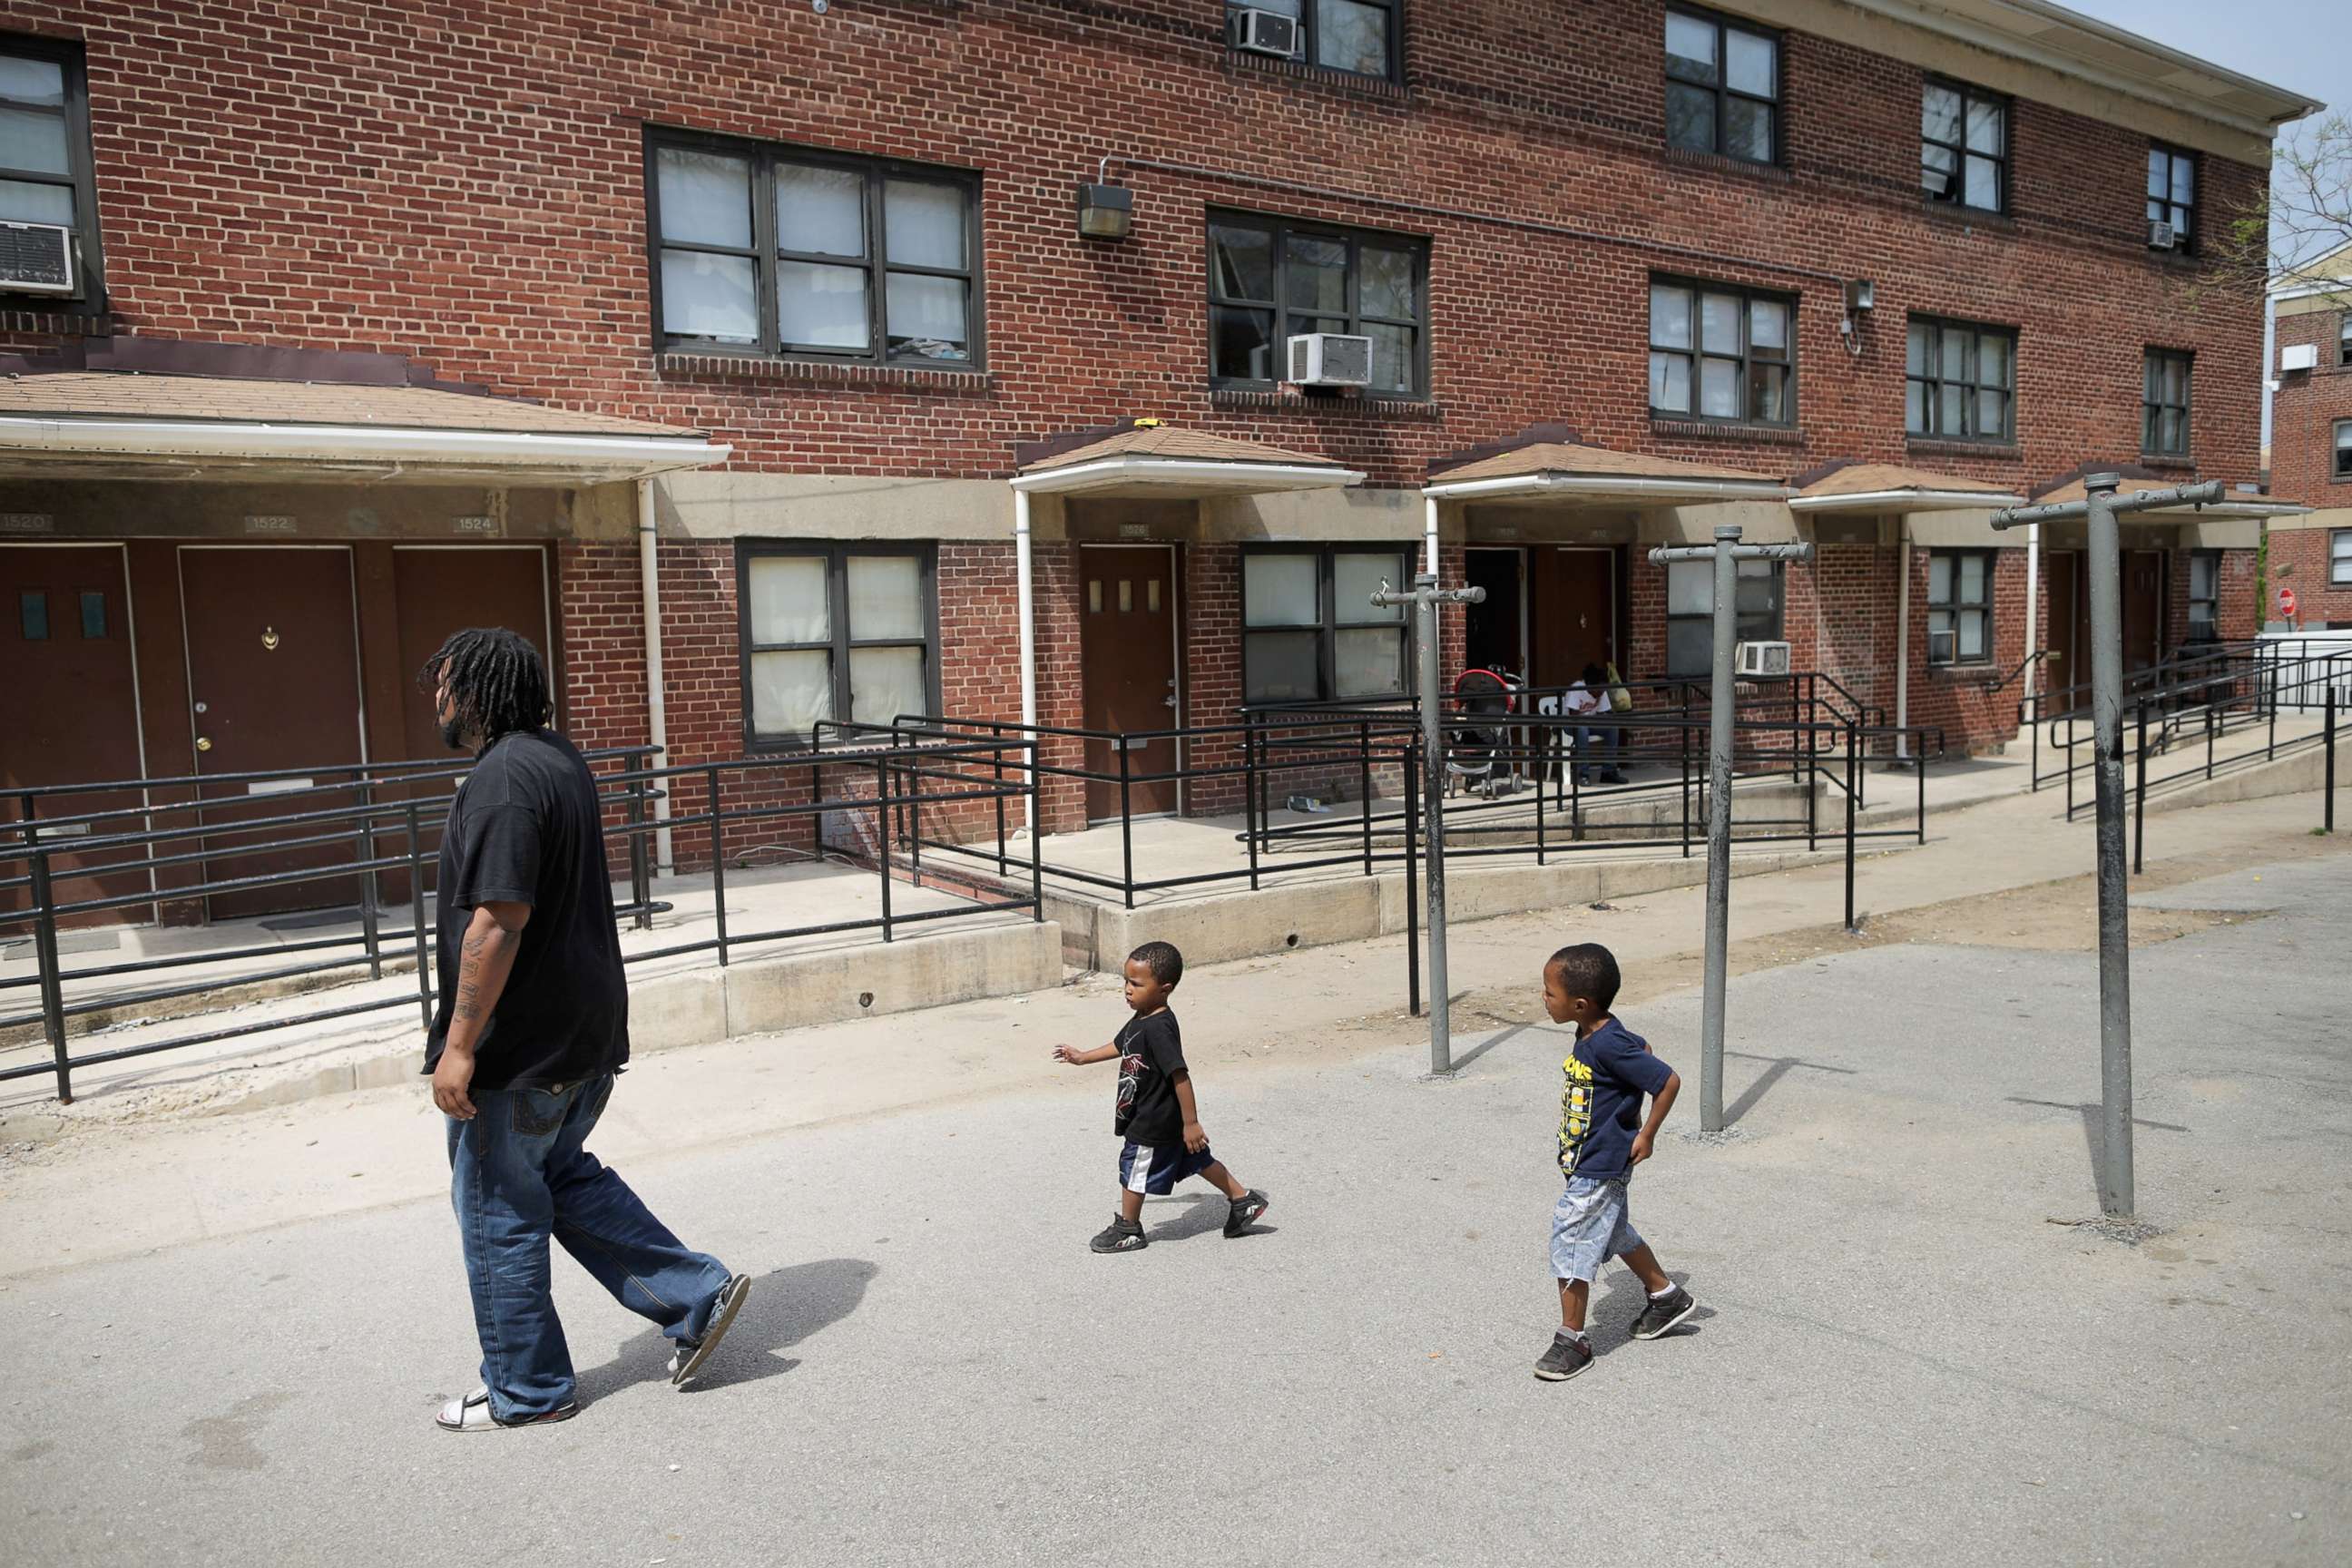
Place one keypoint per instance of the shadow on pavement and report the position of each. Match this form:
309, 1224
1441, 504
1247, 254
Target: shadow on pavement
1206, 1212
2093, 1136
1772, 1074
787, 1306
1614, 1313
1488, 1044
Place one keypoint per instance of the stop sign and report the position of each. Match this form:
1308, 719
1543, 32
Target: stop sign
2286, 602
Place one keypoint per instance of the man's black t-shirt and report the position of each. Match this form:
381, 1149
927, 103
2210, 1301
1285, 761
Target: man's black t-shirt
1150, 1053
525, 829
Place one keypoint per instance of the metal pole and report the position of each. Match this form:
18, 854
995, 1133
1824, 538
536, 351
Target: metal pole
45, 951
2116, 1197
2139, 797
882, 834
1412, 889
1852, 766
1432, 784
368, 892
1719, 832
2328, 790
1364, 766
718, 862
1126, 825
1252, 821
417, 918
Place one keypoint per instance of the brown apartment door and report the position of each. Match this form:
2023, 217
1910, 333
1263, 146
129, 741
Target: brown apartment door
2143, 609
1127, 653
69, 712
1575, 613
273, 683
2068, 665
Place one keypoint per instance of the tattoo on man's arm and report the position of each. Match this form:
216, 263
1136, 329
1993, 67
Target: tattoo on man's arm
471, 962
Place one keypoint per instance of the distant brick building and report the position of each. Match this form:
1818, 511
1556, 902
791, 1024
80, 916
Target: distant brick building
2311, 444
1845, 274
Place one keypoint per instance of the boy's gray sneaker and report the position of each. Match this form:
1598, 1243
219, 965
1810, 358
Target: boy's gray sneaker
1663, 1313
1568, 1356
687, 1359
1244, 1212
1124, 1234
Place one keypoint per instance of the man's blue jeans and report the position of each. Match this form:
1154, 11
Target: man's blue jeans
519, 1174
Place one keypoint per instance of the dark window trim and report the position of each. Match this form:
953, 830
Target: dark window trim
2344, 338
82, 175
1308, 24
2196, 190
2340, 450
1936, 379
1747, 297
2151, 410
2212, 620
1328, 623
2335, 537
1779, 615
763, 157
2003, 170
836, 555
1722, 88
1955, 607
1281, 229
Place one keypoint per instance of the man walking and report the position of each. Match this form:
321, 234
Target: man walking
532, 1026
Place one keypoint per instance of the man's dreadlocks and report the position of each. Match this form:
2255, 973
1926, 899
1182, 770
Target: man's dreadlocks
498, 682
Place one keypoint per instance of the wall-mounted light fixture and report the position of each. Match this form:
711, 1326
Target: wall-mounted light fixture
1106, 211
1859, 295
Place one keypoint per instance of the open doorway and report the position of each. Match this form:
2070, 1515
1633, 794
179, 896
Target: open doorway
1495, 634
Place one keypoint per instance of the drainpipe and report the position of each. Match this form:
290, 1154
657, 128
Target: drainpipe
1429, 535
1028, 643
1903, 645
656, 702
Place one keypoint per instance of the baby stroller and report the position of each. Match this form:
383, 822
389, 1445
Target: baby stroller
1473, 759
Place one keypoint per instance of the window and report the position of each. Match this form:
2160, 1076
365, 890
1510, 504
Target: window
1690, 611
777, 251
93, 617
45, 162
2344, 338
2339, 558
2171, 197
1959, 606
2204, 596
2343, 449
2164, 404
1718, 353
1310, 632
33, 614
1964, 146
833, 631
1271, 280
1961, 381
1358, 36
1723, 87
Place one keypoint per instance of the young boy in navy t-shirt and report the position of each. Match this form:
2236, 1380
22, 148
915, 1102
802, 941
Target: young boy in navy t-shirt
1602, 1136
1155, 1112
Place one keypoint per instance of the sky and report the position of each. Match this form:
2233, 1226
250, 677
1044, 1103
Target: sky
2301, 45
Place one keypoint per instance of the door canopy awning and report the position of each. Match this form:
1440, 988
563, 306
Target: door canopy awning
2069, 486
114, 424
1548, 465
1849, 486
1143, 458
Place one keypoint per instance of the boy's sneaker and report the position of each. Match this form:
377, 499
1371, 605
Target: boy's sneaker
1123, 1235
1244, 1212
1664, 1312
1568, 1356
687, 1359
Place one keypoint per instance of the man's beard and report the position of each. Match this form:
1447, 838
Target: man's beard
453, 733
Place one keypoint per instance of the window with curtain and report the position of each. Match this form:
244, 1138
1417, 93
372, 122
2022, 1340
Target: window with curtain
1961, 381
2344, 449
1310, 632
46, 174
1722, 86
780, 251
2339, 558
2164, 403
2172, 195
2205, 596
1959, 606
1270, 280
1690, 611
832, 632
1721, 353
1358, 36
1964, 146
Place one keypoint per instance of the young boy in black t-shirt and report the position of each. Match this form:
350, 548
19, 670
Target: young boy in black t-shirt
1155, 1110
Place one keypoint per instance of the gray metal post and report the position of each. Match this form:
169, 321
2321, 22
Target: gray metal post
1425, 597
2100, 508
1727, 553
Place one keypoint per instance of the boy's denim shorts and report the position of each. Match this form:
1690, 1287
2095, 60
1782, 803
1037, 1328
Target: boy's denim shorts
1590, 1225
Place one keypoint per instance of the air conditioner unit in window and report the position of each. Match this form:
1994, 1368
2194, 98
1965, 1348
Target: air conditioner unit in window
36, 258
1330, 359
2298, 356
1265, 33
1761, 661
2162, 236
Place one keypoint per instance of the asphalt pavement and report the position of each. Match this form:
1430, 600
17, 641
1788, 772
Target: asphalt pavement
1912, 1349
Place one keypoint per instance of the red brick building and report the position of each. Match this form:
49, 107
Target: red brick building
1600, 277
2311, 445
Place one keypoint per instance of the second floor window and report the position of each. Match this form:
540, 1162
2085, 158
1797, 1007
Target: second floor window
832, 632
1718, 353
2344, 449
778, 251
45, 162
1270, 281
2172, 198
2339, 558
1964, 146
1961, 381
2344, 338
1959, 606
1310, 632
1358, 36
2164, 404
1723, 87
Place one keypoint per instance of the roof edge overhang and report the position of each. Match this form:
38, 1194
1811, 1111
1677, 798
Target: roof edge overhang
1185, 478
418, 451
1624, 490
1908, 501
